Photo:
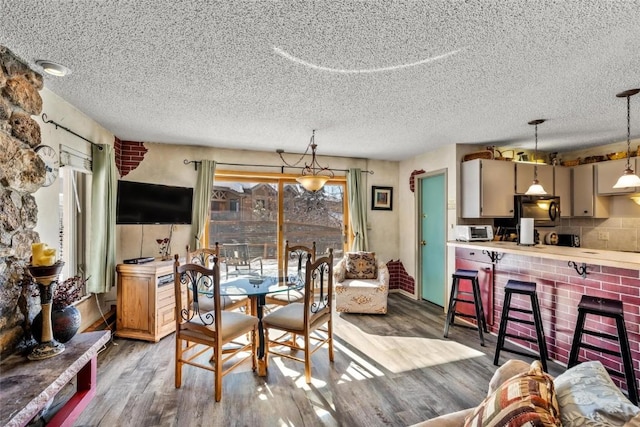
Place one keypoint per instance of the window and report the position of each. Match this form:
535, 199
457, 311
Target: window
262, 218
75, 209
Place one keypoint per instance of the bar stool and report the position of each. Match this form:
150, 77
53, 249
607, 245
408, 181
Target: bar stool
472, 276
528, 289
613, 309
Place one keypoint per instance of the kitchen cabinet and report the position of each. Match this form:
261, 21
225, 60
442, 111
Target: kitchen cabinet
474, 259
487, 188
524, 177
145, 300
562, 189
586, 203
607, 174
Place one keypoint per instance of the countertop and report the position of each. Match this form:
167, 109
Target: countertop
629, 260
27, 386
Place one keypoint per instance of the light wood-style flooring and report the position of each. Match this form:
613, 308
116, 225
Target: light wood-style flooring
389, 370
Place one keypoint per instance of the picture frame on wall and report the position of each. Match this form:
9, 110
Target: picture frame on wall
382, 198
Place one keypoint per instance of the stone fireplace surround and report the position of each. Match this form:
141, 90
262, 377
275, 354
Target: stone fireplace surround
22, 173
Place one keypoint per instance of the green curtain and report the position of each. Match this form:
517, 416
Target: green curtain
357, 210
202, 201
102, 263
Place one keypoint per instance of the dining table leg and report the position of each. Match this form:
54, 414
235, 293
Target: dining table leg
259, 302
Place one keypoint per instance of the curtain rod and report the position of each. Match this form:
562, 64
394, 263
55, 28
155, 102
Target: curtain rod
58, 125
197, 162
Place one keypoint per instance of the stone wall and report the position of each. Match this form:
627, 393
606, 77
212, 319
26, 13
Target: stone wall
22, 173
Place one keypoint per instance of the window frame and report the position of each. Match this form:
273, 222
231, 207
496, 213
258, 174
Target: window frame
280, 179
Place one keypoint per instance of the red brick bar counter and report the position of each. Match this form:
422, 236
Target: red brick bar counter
610, 274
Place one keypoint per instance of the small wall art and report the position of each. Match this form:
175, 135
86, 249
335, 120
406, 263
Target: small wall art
382, 198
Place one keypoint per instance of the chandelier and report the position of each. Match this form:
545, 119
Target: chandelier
628, 178
313, 176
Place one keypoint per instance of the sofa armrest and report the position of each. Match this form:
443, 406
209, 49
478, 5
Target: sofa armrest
383, 274
339, 271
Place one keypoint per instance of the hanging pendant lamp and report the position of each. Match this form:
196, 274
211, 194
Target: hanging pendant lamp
628, 178
313, 176
536, 189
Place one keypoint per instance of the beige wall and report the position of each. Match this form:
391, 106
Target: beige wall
444, 158
164, 164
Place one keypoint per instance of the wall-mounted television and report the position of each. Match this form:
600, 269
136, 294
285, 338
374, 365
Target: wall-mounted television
142, 203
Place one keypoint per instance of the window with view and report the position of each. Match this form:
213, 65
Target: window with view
246, 217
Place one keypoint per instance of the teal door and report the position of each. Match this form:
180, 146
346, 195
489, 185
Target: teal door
433, 241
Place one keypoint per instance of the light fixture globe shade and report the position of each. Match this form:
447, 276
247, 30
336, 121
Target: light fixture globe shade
535, 189
628, 179
312, 182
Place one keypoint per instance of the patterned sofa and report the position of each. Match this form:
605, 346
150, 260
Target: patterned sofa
361, 284
521, 394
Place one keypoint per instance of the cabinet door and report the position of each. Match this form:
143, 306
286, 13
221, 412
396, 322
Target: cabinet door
608, 174
498, 186
524, 177
562, 189
585, 201
135, 313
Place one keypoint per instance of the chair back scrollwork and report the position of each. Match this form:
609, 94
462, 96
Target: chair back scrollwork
192, 282
319, 284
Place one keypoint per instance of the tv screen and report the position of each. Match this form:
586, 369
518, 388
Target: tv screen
141, 203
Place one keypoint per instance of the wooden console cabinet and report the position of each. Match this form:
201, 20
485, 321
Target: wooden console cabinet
146, 301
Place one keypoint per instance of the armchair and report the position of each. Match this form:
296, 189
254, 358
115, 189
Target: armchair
361, 284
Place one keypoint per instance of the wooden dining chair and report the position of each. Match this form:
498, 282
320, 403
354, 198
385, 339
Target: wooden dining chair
297, 254
198, 330
309, 320
205, 257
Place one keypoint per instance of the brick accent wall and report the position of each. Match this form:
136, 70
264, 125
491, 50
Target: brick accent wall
399, 278
559, 290
129, 154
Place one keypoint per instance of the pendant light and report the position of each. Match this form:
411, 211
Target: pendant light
536, 189
313, 176
628, 178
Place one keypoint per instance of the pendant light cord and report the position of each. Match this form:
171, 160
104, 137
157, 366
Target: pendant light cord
629, 132
535, 157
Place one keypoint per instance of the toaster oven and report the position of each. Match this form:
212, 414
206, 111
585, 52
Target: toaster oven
471, 233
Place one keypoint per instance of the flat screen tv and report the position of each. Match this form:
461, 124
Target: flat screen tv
142, 203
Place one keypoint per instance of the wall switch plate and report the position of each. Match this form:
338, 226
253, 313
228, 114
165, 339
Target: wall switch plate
603, 235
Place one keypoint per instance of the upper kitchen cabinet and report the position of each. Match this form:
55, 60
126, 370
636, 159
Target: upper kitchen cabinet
585, 201
562, 189
487, 188
607, 174
524, 177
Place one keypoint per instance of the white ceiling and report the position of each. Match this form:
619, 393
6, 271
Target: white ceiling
376, 79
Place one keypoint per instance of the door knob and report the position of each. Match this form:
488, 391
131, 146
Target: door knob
423, 242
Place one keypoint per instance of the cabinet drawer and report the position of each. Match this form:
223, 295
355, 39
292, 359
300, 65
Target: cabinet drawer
472, 255
166, 296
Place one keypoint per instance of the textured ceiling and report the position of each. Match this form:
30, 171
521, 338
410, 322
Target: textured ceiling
376, 79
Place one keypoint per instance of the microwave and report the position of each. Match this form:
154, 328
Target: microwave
471, 233
545, 210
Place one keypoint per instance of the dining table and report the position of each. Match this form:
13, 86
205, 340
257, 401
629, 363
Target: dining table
256, 289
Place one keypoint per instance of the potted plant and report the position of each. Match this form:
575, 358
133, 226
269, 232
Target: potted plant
65, 317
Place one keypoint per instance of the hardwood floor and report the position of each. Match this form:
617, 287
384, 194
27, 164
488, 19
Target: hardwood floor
390, 370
